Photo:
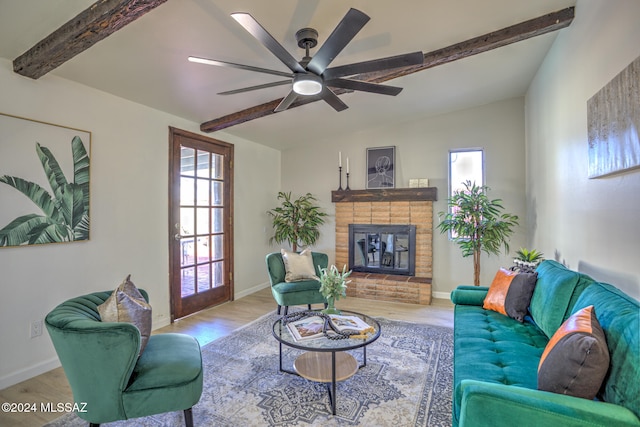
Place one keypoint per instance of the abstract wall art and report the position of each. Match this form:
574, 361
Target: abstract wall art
381, 163
613, 116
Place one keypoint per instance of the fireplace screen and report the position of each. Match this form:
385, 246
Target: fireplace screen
382, 248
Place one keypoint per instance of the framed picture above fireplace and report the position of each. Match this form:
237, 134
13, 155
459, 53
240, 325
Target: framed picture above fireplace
381, 171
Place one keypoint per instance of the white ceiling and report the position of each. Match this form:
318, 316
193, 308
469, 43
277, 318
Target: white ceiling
146, 61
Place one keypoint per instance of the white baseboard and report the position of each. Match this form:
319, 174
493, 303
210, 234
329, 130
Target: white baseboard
29, 372
160, 323
441, 295
251, 290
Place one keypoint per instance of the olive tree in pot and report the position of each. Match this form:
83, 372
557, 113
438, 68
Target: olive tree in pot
476, 224
296, 221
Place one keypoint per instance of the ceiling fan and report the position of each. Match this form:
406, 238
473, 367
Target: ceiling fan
311, 76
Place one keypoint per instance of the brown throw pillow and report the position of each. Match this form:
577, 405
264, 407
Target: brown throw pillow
576, 358
510, 293
298, 266
126, 304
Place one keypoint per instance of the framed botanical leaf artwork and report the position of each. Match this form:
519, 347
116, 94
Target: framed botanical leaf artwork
44, 182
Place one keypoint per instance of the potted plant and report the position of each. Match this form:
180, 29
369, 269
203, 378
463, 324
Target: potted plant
527, 260
296, 221
333, 286
476, 224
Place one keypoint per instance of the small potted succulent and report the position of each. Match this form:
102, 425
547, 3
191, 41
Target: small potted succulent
527, 260
333, 286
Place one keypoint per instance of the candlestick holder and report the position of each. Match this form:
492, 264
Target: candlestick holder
347, 187
339, 178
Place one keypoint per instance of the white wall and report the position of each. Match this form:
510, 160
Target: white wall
129, 214
588, 224
422, 148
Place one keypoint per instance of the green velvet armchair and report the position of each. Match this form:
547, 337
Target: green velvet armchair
100, 360
303, 292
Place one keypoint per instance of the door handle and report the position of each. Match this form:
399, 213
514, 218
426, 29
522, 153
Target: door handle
178, 237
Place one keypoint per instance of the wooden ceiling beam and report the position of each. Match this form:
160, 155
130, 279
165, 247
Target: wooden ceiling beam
93, 24
515, 33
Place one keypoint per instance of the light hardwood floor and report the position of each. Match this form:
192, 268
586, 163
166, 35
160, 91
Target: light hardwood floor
207, 326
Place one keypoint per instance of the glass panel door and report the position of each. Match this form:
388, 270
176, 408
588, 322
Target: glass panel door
201, 213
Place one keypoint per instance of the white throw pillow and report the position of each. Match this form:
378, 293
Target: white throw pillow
298, 266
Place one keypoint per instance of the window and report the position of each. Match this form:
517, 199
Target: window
465, 165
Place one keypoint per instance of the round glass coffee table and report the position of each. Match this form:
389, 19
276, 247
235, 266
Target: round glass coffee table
325, 360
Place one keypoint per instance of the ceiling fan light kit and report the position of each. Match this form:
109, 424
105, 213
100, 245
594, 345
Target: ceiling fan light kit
307, 84
311, 75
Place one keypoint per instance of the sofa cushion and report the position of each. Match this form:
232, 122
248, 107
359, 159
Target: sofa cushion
301, 286
576, 358
510, 293
491, 347
619, 317
555, 295
168, 374
170, 358
298, 266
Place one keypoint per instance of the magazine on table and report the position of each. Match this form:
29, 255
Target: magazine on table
350, 324
307, 328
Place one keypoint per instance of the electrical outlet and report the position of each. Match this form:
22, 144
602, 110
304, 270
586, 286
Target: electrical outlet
36, 328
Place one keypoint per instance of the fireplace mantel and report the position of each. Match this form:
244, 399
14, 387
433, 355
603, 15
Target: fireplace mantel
386, 195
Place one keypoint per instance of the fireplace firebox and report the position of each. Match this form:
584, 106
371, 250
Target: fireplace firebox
382, 248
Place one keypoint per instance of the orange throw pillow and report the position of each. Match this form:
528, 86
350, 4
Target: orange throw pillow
576, 358
510, 293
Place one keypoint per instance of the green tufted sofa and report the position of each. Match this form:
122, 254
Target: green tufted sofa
496, 358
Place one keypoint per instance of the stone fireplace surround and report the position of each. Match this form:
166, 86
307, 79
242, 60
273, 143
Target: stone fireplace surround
388, 206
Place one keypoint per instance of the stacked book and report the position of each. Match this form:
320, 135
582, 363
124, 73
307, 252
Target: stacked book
313, 327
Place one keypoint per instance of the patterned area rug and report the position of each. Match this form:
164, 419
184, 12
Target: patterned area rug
407, 382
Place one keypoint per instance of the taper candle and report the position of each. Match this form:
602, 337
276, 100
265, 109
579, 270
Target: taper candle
347, 165
340, 158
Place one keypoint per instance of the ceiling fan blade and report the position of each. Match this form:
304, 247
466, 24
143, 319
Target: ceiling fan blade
405, 60
286, 102
239, 66
267, 40
332, 99
344, 32
250, 88
364, 86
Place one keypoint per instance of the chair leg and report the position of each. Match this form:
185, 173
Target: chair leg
188, 418
94, 425
326, 304
279, 307
286, 310
309, 306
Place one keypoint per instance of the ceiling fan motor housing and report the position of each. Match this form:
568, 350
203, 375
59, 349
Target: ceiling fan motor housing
307, 38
